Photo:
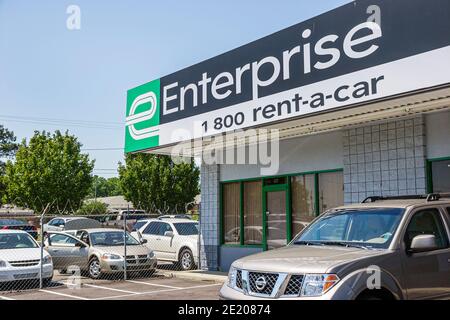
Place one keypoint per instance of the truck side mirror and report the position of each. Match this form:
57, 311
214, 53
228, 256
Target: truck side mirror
423, 243
168, 234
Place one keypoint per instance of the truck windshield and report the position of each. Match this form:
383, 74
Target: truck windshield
364, 228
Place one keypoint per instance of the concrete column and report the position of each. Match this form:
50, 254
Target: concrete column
386, 159
210, 217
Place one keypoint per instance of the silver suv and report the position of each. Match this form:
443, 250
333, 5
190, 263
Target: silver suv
383, 248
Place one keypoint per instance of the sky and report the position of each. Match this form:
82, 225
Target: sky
53, 78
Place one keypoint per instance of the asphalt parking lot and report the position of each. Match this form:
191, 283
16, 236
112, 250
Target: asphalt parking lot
157, 287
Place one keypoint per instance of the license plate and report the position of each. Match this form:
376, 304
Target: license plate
25, 276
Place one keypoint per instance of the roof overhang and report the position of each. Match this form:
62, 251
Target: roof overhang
400, 106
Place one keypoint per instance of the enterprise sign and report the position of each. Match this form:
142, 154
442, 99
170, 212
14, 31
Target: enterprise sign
362, 51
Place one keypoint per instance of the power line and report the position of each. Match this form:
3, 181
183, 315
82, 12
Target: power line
61, 120
103, 149
65, 124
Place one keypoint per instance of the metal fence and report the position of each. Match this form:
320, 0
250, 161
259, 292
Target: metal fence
48, 250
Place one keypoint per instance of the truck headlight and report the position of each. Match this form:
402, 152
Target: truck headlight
318, 284
2, 264
47, 260
231, 282
111, 256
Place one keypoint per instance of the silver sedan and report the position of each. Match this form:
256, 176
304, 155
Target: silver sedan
99, 252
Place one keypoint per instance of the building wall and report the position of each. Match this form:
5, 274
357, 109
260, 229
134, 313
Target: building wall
230, 254
438, 135
209, 217
297, 155
385, 159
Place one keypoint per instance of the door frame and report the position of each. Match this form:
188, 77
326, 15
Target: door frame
275, 188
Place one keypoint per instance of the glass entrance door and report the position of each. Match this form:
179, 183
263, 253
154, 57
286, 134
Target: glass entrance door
276, 235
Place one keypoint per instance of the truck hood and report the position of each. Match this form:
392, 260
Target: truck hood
303, 259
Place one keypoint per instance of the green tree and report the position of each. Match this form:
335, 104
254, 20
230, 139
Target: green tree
155, 182
93, 208
49, 170
8, 148
102, 187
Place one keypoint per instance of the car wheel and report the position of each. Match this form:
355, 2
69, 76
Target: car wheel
186, 260
95, 270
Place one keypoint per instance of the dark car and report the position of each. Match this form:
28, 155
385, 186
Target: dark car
13, 224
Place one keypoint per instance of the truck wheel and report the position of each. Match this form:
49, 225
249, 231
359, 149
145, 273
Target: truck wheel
186, 260
47, 282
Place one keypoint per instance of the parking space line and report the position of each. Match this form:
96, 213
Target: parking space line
64, 295
154, 284
6, 298
159, 291
108, 288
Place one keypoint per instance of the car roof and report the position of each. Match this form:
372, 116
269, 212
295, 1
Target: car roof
403, 203
12, 231
101, 230
173, 220
68, 218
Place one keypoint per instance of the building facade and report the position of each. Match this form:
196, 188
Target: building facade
359, 98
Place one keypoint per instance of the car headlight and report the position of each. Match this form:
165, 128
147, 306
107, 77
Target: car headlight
2, 264
111, 256
47, 260
231, 281
318, 284
151, 254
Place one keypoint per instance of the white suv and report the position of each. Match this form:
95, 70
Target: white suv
174, 240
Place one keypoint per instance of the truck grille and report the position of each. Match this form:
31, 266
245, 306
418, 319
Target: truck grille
262, 283
24, 263
239, 279
294, 285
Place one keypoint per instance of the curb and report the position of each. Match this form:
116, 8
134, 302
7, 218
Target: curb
195, 275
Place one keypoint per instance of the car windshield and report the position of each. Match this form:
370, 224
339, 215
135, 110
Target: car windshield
186, 228
364, 228
111, 238
11, 222
16, 241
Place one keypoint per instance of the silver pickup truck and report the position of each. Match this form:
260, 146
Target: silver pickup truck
384, 248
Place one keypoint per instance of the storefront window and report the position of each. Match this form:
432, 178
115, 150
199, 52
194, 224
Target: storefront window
253, 213
231, 213
441, 176
331, 190
303, 200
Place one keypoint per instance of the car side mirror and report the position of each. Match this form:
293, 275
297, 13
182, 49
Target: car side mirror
168, 234
144, 241
61, 226
79, 245
423, 243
